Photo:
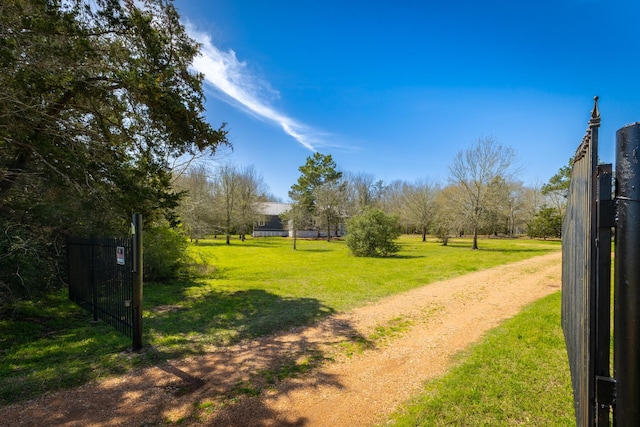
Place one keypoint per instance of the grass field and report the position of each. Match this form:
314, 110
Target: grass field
252, 288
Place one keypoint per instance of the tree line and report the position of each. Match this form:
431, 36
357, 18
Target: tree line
223, 201
482, 196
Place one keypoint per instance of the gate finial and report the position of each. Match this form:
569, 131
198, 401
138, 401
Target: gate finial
594, 121
595, 113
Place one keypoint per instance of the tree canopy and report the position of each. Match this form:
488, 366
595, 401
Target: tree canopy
98, 98
318, 170
557, 189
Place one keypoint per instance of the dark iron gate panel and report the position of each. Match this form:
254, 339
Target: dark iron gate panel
579, 231
101, 279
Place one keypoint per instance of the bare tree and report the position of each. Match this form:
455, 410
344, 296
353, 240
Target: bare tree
391, 198
195, 208
362, 190
296, 217
533, 200
238, 194
227, 184
450, 218
419, 205
330, 202
516, 208
251, 192
474, 170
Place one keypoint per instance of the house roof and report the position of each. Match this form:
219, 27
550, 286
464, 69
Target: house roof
274, 208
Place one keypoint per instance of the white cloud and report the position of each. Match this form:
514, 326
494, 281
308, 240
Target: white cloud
227, 74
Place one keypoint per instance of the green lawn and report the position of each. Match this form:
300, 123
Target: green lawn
253, 288
517, 375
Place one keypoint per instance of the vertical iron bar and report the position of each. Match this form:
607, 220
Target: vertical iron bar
592, 273
137, 282
70, 272
94, 284
603, 289
627, 277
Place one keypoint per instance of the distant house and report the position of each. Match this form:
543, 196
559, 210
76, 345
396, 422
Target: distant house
271, 224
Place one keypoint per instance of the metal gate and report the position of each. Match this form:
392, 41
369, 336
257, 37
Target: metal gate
586, 263
602, 397
105, 277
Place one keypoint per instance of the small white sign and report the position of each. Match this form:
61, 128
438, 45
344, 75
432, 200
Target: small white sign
120, 255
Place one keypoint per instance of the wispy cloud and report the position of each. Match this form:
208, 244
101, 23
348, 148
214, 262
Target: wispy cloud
231, 77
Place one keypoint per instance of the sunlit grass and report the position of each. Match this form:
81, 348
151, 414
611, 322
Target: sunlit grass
328, 272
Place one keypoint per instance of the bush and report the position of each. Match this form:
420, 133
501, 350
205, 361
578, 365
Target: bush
372, 233
547, 223
165, 254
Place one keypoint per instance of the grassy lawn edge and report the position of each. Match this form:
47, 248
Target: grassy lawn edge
517, 375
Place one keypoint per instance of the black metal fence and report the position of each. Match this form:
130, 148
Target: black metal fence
601, 398
101, 279
105, 277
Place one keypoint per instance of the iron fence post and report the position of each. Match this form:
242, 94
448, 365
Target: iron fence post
137, 282
627, 277
605, 397
94, 279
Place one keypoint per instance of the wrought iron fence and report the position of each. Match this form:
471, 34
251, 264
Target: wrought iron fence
101, 279
603, 397
105, 277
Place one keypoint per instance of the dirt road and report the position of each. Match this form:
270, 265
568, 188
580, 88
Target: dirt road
351, 369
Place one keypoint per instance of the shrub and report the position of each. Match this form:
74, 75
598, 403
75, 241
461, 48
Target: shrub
372, 233
165, 254
547, 223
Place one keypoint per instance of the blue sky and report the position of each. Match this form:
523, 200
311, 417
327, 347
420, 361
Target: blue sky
395, 89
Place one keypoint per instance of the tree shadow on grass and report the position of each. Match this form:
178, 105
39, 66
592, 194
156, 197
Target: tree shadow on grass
258, 243
235, 385
511, 249
182, 325
400, 256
